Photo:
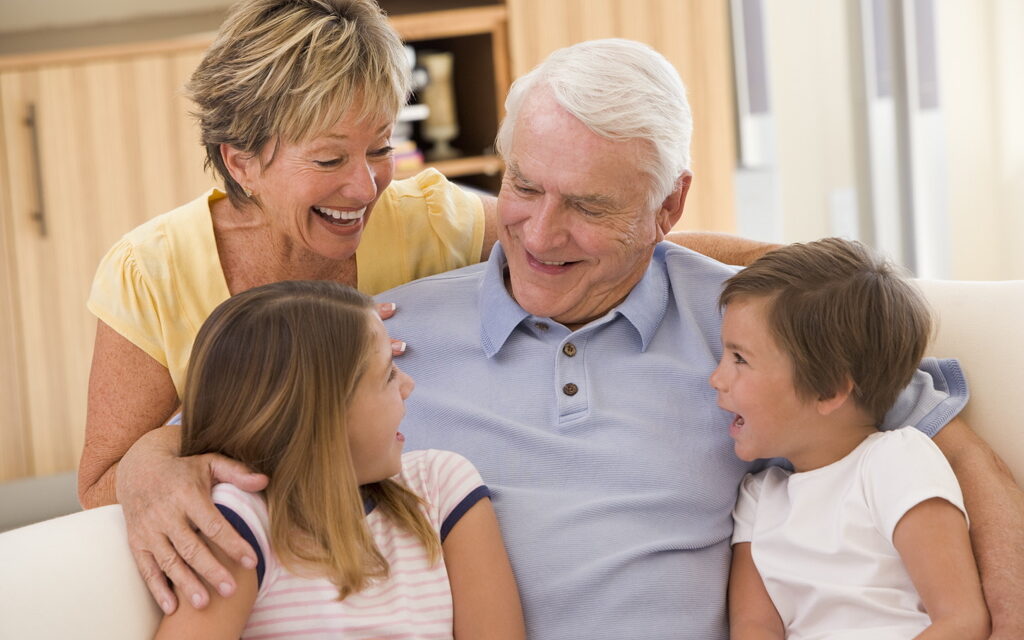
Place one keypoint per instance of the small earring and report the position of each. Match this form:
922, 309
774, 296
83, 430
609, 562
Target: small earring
248, 192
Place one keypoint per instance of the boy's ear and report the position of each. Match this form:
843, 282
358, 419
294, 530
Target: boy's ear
826, 406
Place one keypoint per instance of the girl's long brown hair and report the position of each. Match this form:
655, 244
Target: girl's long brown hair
272, 372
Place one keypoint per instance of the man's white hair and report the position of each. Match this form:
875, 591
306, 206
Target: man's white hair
621, 90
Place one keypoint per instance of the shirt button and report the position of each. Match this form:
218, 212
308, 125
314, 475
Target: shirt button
569, 349
570, 389
543, 326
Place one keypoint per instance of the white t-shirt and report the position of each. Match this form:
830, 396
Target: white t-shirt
822, 539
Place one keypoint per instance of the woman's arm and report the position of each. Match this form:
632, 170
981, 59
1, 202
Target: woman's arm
130, 394
224, 618
723, 247
490, 225
995, 504
752, 615
163, 496
934, 544
484, 593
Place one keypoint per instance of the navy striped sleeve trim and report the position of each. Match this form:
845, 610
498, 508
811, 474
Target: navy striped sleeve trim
475, 496
243, 530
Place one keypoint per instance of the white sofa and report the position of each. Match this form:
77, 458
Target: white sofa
73, 577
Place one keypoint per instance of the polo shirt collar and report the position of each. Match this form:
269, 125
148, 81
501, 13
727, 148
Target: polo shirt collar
500, 314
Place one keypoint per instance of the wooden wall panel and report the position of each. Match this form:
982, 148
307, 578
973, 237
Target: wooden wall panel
692, 34
15, 430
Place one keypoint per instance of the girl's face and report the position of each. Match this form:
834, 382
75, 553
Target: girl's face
377, 408
754, 380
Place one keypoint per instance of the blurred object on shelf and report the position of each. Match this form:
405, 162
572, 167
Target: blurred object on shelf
441, 125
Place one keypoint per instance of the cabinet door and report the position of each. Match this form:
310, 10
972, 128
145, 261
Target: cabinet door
694, 36
109, 147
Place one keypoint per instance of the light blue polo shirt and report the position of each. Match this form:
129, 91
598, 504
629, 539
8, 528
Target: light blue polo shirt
608, 459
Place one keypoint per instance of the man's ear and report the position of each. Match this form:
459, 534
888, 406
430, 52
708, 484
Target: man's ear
243, 167
672, 208
826, 406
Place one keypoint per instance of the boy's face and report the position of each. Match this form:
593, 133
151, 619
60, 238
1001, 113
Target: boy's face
754, 380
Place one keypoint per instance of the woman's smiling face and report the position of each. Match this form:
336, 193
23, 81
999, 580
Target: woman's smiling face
319, 193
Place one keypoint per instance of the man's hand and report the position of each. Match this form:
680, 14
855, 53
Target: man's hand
166, 500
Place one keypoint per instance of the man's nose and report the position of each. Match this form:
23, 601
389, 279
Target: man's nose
545, 229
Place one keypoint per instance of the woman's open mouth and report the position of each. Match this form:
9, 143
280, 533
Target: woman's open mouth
339, 217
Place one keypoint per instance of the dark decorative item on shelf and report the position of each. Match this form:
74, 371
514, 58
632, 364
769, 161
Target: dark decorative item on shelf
441, 125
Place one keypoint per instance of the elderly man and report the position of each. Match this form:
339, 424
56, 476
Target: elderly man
572, 367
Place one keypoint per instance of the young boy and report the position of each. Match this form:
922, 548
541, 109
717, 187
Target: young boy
867, 537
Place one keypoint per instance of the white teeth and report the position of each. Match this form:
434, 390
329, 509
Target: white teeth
553, 264
342, 215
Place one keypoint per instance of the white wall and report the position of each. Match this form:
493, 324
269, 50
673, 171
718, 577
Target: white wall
812, 104
811, 69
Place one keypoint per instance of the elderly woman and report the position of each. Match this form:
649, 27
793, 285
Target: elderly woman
296, 102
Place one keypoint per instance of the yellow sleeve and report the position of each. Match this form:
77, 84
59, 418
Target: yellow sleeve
122, 297
419, 227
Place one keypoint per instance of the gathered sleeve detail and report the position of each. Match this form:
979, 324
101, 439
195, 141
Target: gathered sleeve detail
419, 227
122, 297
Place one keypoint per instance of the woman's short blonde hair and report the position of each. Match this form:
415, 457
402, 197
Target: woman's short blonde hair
289, 69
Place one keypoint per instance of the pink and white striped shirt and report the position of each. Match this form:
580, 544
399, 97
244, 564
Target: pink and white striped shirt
414, 602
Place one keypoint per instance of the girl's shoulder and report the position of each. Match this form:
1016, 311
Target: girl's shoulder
446, 481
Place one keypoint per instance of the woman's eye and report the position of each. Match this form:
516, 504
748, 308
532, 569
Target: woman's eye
383, 152
333, 162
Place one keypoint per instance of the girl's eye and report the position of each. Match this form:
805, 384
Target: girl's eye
393, 373
738, 359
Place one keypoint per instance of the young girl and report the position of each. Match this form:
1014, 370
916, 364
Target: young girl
353, 538
867, 537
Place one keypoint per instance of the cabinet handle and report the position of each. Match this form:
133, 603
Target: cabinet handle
33, 126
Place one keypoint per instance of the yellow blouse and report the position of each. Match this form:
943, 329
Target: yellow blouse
160, 281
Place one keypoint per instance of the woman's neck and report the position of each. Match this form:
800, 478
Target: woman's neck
251, 254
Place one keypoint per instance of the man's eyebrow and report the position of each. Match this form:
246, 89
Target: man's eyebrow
513, 169
590, 198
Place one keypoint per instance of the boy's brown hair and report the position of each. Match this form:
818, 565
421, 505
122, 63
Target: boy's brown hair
840, 312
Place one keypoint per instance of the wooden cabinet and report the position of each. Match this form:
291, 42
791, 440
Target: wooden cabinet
97, 141
93, 146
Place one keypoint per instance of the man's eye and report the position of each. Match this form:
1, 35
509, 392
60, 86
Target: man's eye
526, 191
585, 211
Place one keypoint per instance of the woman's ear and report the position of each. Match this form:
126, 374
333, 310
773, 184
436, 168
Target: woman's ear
672, 208
244, 167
